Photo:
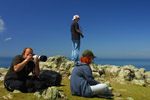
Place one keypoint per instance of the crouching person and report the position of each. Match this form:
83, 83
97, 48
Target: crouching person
82, 82
17, 77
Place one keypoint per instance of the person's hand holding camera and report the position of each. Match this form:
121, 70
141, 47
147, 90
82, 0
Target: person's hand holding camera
29, 57
36, 59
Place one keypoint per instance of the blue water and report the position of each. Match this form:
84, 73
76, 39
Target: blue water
139, 63
5, 61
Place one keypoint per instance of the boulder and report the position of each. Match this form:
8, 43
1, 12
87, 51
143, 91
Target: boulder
138, 82
147, 77
139, 75
52, 93
96, 74
142, 70
66, 66
115, 71
8, 97
129, 98
57, 59
130, 67
125, 75
94, 67
3, 70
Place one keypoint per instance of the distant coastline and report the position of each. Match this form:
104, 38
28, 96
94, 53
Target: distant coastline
137, 62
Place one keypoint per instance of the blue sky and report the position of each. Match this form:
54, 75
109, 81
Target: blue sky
111, 28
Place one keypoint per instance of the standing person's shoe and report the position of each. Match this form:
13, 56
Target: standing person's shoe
77, 62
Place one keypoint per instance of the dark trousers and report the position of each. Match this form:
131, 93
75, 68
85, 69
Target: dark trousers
31, 84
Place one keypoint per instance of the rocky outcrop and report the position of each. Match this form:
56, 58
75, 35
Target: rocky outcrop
51, 93
104, 73
126, 74
122, 74
3, 72
59, 64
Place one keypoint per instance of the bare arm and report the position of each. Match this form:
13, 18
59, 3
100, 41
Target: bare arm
79, 31
21, 65
37, 69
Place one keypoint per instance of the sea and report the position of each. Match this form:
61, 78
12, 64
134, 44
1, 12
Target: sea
139, 63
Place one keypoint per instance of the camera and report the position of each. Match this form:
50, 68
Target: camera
41, 58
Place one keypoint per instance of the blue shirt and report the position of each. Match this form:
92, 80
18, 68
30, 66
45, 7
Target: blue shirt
81, 80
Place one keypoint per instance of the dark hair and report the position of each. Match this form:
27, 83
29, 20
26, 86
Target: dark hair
26, 49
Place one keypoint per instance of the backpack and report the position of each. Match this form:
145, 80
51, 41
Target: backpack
50, 78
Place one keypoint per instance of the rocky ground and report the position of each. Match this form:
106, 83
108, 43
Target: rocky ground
127, 75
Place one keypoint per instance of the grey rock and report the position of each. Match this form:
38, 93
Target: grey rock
139, 75
130, 67
57, 59
142, 70
38, 94
52, 65
139, 82
148, 80
62, 95
93, 67
118, 98
115, 71
101, 72
122, 74
51, 93
16, 91
2, 78
117, 94
125, 75
147, 77
7, 97
3, 70
129, 98
111, 88
66, 66
96, 74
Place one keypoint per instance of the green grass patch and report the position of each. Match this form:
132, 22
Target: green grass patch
127, 90
135, 91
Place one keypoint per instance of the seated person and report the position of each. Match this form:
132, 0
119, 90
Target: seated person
17, 77
82, 82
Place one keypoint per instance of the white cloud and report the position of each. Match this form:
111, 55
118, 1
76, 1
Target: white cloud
7, 39
2, 24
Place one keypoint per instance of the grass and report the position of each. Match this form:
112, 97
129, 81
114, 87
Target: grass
127, 90
135, 91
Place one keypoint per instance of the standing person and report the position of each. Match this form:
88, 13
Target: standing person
17, 77
82, 82
76, 33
